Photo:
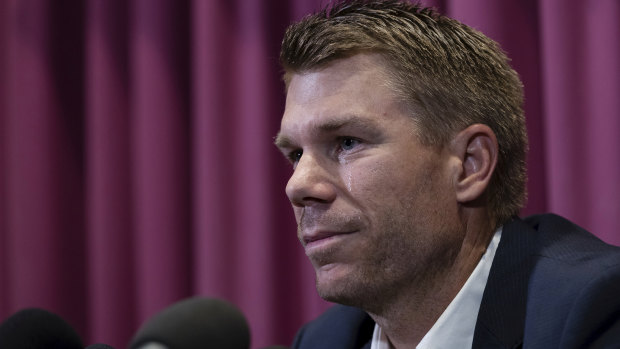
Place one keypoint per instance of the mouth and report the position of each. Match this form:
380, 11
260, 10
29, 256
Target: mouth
323, 239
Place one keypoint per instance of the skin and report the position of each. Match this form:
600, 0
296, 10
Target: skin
390, 225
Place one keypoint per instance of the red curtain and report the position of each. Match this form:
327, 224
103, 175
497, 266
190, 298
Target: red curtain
137, 165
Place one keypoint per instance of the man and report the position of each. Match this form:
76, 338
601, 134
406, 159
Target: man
407, 138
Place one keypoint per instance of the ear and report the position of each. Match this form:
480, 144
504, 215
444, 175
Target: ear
475, 149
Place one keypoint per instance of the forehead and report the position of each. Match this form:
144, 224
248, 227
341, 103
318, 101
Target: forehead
350, 74
354, 86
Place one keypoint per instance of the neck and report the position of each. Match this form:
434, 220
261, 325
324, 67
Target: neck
407, 317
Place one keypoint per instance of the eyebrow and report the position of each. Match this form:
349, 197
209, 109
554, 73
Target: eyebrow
282, 141
365, 124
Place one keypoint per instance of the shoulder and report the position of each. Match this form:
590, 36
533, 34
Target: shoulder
573, 286
565, 250
339, 327
564, 240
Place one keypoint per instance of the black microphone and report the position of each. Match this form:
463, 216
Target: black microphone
99, 346
35, 328
195, 323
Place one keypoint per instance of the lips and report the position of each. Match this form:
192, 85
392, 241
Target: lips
318, 237
325, 229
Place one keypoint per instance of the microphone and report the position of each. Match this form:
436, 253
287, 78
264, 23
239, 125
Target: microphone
34, 328
99, 346
195, 323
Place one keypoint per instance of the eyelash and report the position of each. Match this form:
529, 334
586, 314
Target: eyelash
295, 155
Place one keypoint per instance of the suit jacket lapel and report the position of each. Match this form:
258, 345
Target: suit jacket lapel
501, 318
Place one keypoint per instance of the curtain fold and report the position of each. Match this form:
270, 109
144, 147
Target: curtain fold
109, 199
137, 164
581, 69
159, 122
43, 168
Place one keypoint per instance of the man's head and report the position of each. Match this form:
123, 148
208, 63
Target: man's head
390, 123
448, 76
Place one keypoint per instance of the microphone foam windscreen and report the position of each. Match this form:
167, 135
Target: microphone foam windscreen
196, 323
34, 328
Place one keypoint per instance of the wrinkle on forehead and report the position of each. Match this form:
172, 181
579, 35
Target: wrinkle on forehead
338, 74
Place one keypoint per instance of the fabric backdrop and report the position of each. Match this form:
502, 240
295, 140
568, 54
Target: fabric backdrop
137, 165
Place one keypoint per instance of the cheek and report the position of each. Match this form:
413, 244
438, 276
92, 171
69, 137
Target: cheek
371, 180
349, 176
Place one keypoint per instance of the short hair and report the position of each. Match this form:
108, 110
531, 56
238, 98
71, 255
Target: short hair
449, 75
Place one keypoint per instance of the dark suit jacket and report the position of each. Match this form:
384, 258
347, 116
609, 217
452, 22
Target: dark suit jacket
551, 285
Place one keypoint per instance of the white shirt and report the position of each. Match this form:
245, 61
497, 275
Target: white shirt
455, 327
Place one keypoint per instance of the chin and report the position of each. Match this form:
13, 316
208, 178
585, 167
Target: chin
344, 289
338, 296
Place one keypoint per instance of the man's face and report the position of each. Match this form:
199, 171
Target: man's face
374, 206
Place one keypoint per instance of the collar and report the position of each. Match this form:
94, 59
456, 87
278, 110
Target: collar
501, 319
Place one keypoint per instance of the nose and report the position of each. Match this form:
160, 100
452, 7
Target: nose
310, 183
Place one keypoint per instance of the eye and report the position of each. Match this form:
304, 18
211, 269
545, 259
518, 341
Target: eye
295, 155
348, 143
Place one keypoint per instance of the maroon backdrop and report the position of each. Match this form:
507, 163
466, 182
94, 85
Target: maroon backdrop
136, 156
